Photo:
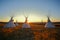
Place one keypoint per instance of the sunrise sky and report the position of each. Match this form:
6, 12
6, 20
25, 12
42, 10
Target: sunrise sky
36, 10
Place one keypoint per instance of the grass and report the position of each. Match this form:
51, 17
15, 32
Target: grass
36, 32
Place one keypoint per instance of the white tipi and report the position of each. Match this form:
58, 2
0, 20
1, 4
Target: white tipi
26, 25
16, 23
10, 23
49, 24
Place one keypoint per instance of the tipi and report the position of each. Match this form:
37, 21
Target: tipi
26, 25
49, 24
16, 23
10, 23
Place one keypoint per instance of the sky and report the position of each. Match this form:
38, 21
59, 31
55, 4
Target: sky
35, 10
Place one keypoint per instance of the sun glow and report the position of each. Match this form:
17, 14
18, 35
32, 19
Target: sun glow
31, 18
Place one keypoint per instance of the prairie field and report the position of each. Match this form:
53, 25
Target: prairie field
36, 32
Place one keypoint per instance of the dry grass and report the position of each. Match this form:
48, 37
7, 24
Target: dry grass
37, 32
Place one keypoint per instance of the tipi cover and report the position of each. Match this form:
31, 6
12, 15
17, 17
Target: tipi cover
10, 23
16, 23
26, 25
49, 24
